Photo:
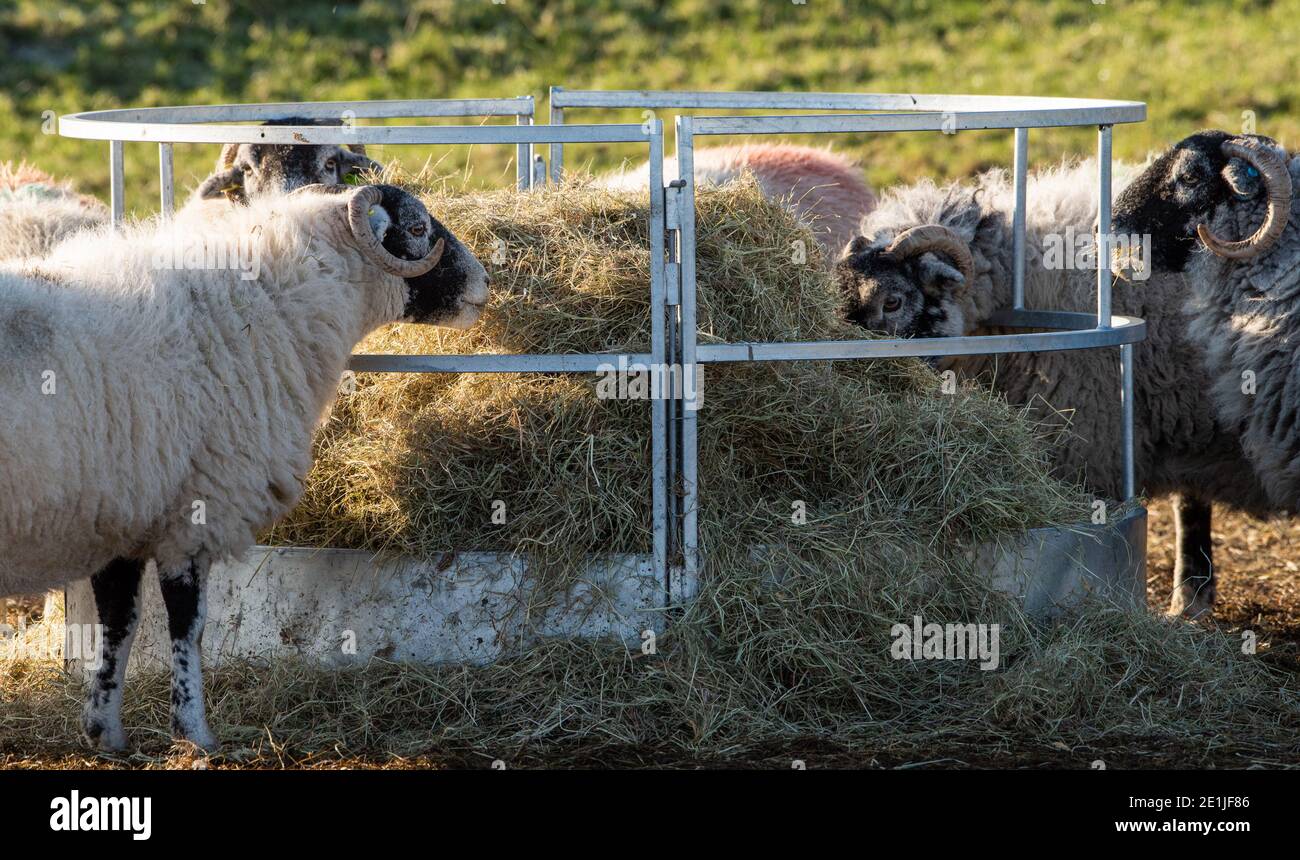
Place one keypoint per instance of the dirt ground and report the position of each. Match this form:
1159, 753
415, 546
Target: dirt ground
1258, 564
1259, 589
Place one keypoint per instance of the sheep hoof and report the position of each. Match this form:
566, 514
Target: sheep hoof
1195, 610
201, 737
102, 736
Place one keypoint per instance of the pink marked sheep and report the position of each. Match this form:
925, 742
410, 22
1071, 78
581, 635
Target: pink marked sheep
823, 188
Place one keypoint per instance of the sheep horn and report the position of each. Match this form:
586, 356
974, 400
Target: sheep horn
358, 148
228, 155
936, 238
1277, 182
373, 249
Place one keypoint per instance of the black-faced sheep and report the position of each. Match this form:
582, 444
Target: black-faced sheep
1242, 295
162, 407
948, 278
823, 188
247, 170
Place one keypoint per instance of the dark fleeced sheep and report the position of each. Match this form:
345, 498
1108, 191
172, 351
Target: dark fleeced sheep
1243, 294
937, 261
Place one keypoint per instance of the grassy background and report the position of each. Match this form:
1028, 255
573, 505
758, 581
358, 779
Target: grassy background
1199, 63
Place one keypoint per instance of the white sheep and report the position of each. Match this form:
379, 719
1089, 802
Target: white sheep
823, 188
1243, 295
38, 212
947, 279
155, 410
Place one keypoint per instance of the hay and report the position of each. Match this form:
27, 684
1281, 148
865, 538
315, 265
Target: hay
411, 463
787, 644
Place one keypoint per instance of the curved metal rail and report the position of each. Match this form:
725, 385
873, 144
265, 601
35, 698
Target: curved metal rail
674, 334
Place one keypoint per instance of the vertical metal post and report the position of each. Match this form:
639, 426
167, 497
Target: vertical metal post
1104, 278
1126, 417
1020, 168
167, 181
539, 171
659, 356
688, 587
524, 158
672, 218
557, 149
116, 181
1103, 227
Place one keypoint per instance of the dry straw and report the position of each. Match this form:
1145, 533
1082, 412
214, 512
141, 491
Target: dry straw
899, 481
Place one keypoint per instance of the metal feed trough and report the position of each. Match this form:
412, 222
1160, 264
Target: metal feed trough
312, 602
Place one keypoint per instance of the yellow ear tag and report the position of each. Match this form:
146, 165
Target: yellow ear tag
370, 211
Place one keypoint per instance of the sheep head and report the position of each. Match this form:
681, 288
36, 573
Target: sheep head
1178, 193
252, 169
446, 284
912, 285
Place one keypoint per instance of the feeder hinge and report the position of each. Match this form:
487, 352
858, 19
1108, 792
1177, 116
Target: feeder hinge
673, 226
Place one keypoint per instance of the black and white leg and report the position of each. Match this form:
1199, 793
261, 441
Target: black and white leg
1194, 585
117, 591
185, 594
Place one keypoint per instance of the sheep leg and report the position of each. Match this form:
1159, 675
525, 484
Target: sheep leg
185, 595
1194, 581
116, 589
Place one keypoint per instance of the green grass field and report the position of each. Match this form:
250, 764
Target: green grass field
1214, 63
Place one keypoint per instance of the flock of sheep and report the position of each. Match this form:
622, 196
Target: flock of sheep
166, 413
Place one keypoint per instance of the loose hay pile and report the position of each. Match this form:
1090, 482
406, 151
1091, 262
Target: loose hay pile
411, 463
898, 479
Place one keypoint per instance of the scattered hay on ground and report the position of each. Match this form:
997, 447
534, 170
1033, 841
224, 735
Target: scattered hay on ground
787, 646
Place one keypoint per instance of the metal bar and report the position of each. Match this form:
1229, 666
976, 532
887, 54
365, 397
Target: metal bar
557, 148
524, 159
892, 122
116, 179
1103, 227
659, 351
493, 363
94, 127
1081, 335
673, 272
688, 587
1128, 331
1125, 111
1063, 320
1021, 170
381, 109
1126, 417
167, 181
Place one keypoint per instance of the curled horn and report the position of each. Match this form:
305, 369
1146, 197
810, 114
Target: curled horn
1277, 183
933, 237
228, 154
370, 246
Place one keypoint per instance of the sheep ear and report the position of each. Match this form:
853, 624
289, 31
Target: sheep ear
223, 184
857, 246
938, 278
380, 220
1242, 178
